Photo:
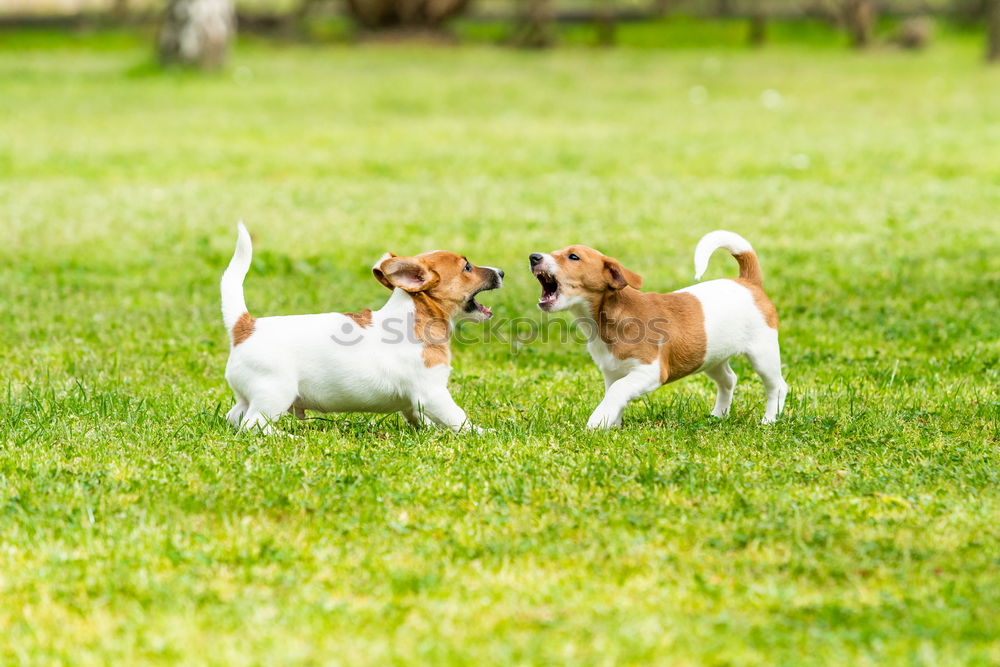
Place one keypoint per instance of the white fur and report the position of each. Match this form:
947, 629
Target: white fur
233, 303
329, 363
638, 381
735, 325
711, 242
732, 320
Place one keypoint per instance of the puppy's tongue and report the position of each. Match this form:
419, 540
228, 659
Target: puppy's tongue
487, 313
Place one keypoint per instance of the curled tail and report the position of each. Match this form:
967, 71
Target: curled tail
735, 244
234, 306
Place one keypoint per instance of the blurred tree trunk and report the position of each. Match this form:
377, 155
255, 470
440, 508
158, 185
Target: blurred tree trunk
197, 32
119, 10
298, 21
859, 19
660, 8
533, 28
757, 33
417, 15
993, 31
606, 22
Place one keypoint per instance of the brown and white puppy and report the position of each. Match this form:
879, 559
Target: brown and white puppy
643, 340
393, 359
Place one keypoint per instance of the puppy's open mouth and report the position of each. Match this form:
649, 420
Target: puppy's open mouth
550, 288
473, 306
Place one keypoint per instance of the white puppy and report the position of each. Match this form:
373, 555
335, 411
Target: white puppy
393, 359
643, 340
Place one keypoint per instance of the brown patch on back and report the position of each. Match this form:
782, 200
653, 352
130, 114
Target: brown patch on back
648, 326
688, 344
243, 329
363, 318
763, 303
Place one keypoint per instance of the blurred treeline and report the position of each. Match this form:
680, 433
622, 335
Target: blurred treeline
524, 23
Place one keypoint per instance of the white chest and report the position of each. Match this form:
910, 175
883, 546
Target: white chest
611, 366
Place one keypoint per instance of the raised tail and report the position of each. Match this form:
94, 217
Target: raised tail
735, 244
234, 306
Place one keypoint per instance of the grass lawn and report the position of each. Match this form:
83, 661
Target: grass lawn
136, 527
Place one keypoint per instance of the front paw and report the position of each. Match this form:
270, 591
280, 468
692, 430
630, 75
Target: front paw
602, 422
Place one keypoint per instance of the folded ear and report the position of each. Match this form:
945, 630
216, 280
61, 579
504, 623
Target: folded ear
377, 270
619, 277
407, 273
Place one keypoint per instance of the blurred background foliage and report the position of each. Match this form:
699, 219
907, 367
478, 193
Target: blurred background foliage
544, 23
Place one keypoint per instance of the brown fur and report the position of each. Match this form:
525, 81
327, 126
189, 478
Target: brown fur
243, 329
750, 268
440, 287
432, 327
362, 318
764, 304
752, 278
673, 329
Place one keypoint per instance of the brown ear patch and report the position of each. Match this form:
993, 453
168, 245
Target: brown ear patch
362, 318
619, 277
407, 273
377, 270
243, 329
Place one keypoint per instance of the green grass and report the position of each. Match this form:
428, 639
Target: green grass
136, 527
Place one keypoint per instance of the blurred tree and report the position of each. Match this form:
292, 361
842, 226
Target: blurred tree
197, 32
606, 23
858, 17
533, 26
993, 31
119, 10
757, 34
418, 15
659, 8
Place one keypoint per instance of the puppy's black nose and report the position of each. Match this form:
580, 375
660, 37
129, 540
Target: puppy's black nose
500, 271
535, 258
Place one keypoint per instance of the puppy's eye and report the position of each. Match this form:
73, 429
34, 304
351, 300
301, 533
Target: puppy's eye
468, 267
573, 257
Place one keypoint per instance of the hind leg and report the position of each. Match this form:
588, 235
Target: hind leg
260, 420
416, 417
765, 357
235, 415
725, 380
267, 404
